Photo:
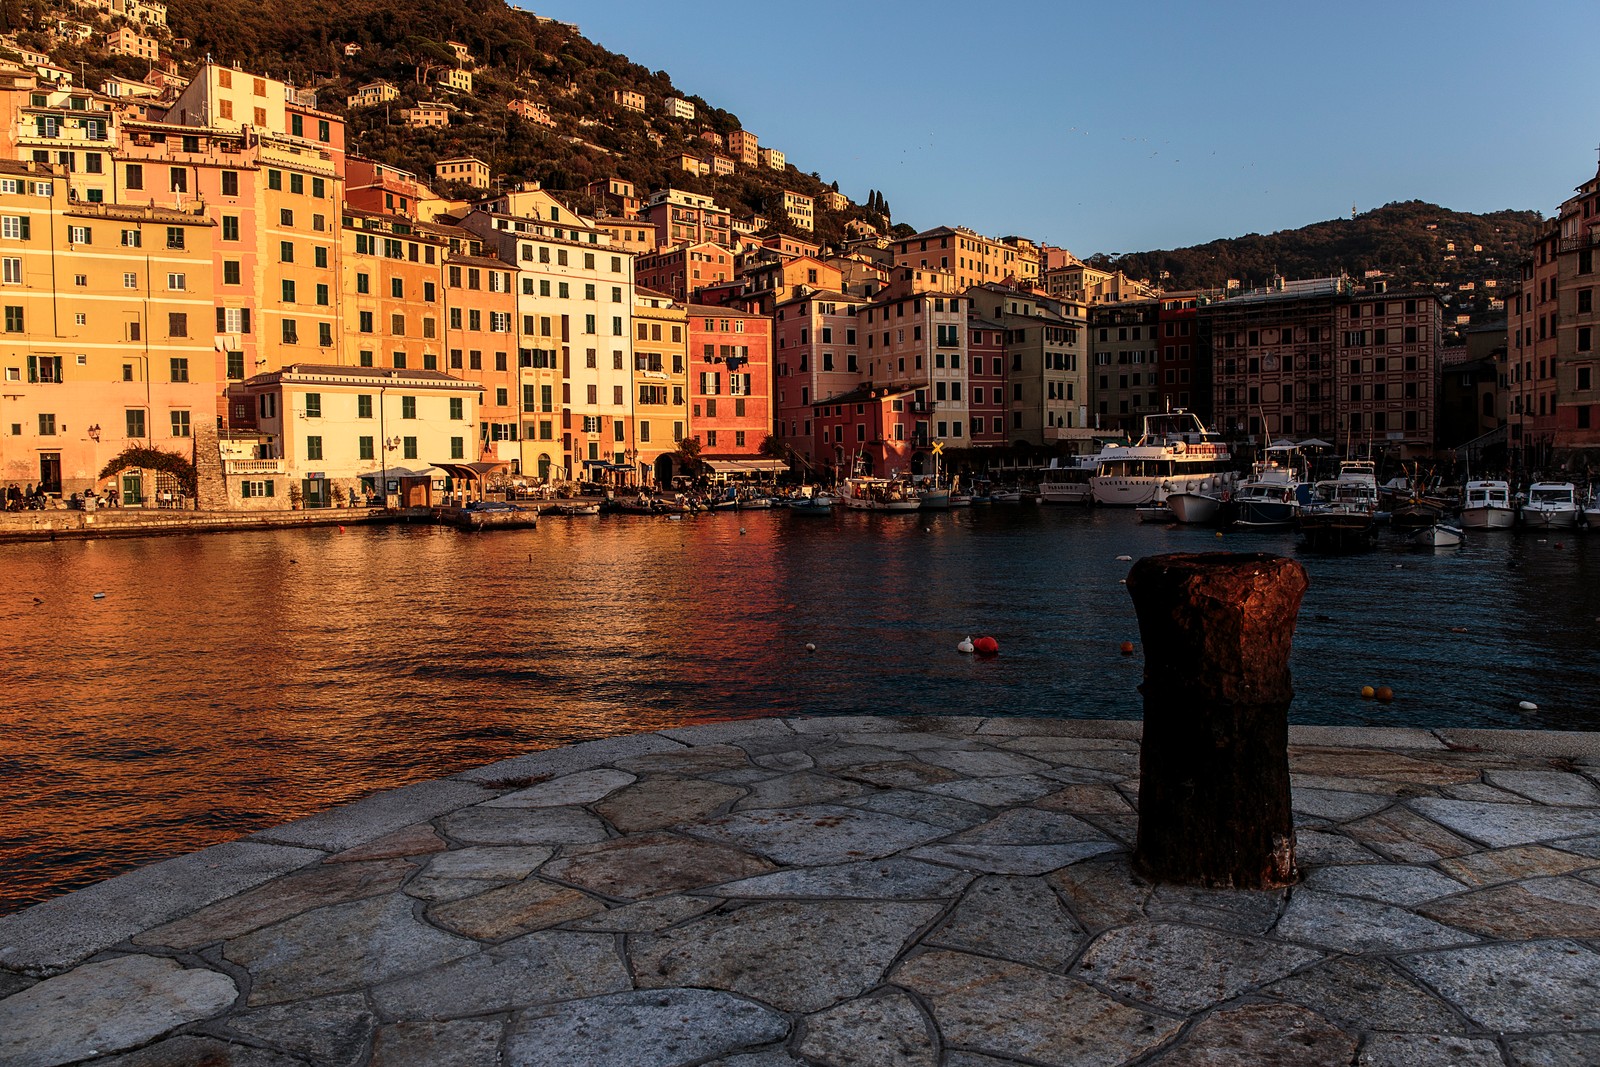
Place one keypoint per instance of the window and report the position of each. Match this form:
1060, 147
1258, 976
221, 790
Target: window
135, 422
179, 180
79, 235
14, 227
177, 324
12, 271
230, 227
290, 335
179, 369
287, 286
286, 251
47, 425
364, 447
175, 237
314, 447
313, 405
408, 407
409, 447
135, 176
180, 424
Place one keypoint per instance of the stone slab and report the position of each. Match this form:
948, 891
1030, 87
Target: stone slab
1498, 825
1561, 788
339, 948
417, 840
1364, 737
50, 937
1012, 859
816, 833
513, 910
582, 787
553, 763
538, 968
456, 1043
1367, 994
1350, 924
1522, 987
894, 878
489, 862
660, 801
795, 956
1184, 969
353, 824
1019, 919
996, 1008
522, 826
731, 732
1428, 1050
1263, 1034
641, 1028
335, 1031
647, 865
1389, 883
1514, 864
795, 790
106, 1007
880, 1031
196, 1051
1549, 744
1541, 907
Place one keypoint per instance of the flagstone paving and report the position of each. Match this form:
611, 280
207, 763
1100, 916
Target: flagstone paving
849, 892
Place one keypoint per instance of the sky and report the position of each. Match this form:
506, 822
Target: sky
1126, 127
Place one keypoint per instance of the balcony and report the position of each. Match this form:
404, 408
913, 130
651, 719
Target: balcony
1590, 239
252, 466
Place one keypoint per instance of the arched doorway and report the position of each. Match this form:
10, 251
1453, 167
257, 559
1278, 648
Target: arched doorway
663, 470
544, 466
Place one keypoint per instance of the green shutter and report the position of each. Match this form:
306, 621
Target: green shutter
33, 368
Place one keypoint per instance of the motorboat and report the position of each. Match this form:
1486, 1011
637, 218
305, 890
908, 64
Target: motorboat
1066, 481
1277, 488
1487, 506
1439, 535
1344, 515
1175, 445
816, 504
934, 499
1551, 506
1591, 512
1196, 503
880, 494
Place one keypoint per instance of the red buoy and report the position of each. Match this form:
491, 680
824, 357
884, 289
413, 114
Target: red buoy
986, 646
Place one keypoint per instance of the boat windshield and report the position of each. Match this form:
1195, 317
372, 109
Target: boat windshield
1557, 495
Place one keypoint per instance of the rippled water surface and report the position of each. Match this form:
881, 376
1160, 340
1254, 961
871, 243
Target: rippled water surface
231, 682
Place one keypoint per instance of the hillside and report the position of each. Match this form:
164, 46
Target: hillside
1412, 240
517, 56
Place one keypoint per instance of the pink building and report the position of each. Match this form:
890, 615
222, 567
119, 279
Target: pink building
730, 382
817, 358
986, 383
683, 270
868, 429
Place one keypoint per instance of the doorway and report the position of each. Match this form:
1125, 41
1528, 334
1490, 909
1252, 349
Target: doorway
50, 472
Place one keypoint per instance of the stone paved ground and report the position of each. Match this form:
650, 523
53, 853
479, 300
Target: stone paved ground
865, 892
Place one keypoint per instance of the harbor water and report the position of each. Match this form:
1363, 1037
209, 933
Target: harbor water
227, 683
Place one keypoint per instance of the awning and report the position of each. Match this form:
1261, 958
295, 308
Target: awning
1312, 442
746, 466
473, 472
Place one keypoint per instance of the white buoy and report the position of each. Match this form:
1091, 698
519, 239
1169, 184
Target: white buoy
1124, 559
1527, 705
964, 645
99, 596
810, 647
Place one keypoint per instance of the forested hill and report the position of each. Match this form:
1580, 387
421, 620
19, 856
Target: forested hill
1420, 243
516, 56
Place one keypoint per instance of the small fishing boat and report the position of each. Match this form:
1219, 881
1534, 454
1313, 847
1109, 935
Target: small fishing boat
934, 499
817, 504
1591, 512
1344, 517
1156, 510
1275, 492
1551, 506
1439, 535
1488, 506
573, 509
880, 494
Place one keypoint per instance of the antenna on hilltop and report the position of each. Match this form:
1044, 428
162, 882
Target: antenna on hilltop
1352, 209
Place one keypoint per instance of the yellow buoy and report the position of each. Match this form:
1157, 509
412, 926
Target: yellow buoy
1367, 692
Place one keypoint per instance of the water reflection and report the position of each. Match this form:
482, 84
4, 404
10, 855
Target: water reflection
227, 683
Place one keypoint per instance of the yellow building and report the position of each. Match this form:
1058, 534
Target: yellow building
801, 209
660, 383
61, 126
129, 42
468, 170
105, 334
629, 99
373, 94
455, 79
426, 116
391, 300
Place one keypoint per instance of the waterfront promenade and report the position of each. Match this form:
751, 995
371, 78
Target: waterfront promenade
849, 891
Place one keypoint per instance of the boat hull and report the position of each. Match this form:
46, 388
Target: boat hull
1488, 517
1438, 535
1266, 514
1195, 509
1540, 519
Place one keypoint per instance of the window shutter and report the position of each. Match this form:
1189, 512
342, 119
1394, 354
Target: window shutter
27, 227
222, 320
244, 320
33, 368
57, 360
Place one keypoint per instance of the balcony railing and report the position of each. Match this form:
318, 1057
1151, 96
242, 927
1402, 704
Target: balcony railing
252, 466
1591, 239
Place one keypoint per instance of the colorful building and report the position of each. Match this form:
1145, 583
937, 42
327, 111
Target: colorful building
660, 384
682, 270
817, 357
730, 384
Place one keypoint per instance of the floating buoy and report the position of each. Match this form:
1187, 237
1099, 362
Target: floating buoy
1384, 694
741, 531
341, 529
965, 645
99, 596
1367, 692
1458, 629
1219, 533
1122, 581
1124, 559
1527, 705
986, 646
1560, 545
1127, 648
810, 647
1399, 566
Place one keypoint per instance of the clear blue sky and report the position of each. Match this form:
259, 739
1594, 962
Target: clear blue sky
1123, 127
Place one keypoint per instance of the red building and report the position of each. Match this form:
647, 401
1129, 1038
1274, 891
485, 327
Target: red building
1182, 382
986, 383
867, 430
682, 270
730, 382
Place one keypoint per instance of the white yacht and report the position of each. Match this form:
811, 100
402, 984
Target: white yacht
1551, 505
1487, 506
1066, 481
1175, 447
1275, 491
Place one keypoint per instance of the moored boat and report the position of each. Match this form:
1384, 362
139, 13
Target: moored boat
1275, 492
1344, 515
1439, 535
1066, 481
1551, 506
879, 494
1174, 445
1487, 506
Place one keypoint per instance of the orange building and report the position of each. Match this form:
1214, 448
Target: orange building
730, 382
392, 306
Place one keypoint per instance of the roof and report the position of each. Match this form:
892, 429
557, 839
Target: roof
376, 375
869, 392
719, 311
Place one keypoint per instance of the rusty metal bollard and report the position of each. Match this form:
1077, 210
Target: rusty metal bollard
1214, 805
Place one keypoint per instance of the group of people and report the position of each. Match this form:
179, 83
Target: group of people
37, 498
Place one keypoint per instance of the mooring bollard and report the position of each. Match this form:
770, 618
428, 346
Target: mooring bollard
1214, 804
